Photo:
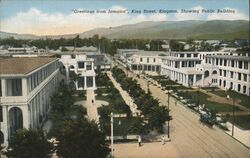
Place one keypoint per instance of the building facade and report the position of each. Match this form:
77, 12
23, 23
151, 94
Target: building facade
181, 67
101, 61
77, 64
142, 61
226, 70
27, 83
233, 71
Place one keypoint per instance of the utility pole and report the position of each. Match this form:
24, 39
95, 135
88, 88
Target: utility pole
148, 86
112, 135
198, 101
233, 119
112, 130
1, 120
168, 116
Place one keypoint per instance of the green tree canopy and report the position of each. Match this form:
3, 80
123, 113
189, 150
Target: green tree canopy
80, 138
29, 144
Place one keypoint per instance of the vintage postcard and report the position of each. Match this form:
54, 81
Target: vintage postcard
124, 79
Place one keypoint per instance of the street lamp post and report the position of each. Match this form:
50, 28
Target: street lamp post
233, 115
112, 129
233, 119
112, 135
148, 86
168, 116
198, 101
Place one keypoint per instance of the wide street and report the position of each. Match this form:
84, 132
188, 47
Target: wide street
189, 137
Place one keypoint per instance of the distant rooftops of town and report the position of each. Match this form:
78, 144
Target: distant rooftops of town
78, 49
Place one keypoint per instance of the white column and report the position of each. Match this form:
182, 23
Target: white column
195, 80
24, 87
3, 84
67, 73
94, 86
4, 127
203, 80
25, 116
85, 82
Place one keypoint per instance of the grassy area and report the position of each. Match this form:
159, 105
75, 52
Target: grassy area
242, 121
183, 88
167, 82
125, 126
210, 88
79, 95
245, 100
79, 98
157, 77
102, 97
202, 97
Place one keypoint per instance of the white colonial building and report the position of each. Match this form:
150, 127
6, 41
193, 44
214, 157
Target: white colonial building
226, 70
77, 63
146, 61
26, 85
124, 54
232, 71
181, 67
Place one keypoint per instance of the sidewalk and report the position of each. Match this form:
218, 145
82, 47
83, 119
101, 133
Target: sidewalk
239, 134
92, 112
90, 104
147, 150
128, 100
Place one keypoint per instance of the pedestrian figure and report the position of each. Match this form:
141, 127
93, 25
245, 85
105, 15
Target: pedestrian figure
175, 103
139, 141
92, 101
162, 140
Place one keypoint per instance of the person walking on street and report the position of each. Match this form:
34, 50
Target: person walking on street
162, 140
139, 141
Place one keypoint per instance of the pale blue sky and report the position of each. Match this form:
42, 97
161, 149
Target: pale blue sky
30, 14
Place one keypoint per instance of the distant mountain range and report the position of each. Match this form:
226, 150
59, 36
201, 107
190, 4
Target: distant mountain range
214, 29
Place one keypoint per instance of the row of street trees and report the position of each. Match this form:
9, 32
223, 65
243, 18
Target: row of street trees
154, 114
116, 105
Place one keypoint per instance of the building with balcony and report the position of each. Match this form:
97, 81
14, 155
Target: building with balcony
181, 67
146, 61
26, 85
124, 54
232, 71
79, 70
226, 70
101, 61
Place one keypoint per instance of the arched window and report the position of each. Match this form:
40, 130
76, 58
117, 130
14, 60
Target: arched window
214, 72
1, 138
206, 74
244, 89
15, 120
231, 85
239, 87
224, 83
